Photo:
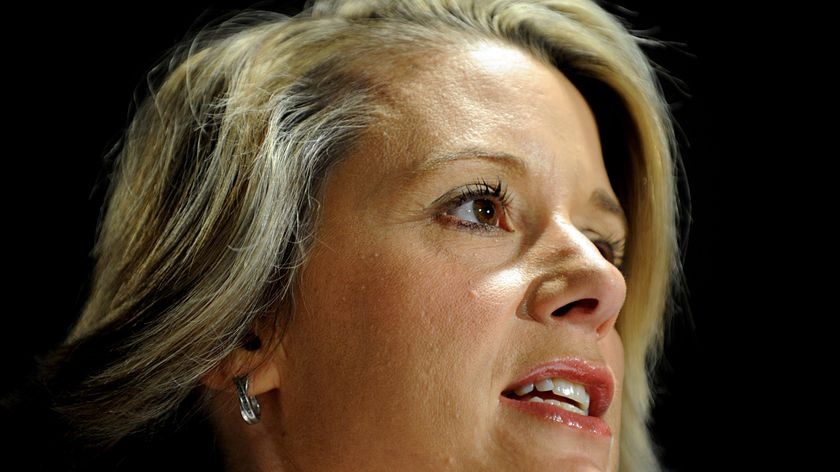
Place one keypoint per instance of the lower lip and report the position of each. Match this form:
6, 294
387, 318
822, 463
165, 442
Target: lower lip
553, 414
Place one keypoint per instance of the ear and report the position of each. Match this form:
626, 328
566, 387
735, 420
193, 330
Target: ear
253, 359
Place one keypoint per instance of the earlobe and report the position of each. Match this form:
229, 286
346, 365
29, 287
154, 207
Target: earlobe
257, 365
263, 379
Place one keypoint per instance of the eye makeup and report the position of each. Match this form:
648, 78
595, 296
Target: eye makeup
479, 206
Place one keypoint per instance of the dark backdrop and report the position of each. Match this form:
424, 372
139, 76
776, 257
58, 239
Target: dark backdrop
71, 76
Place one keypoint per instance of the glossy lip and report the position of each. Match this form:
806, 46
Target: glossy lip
597, 380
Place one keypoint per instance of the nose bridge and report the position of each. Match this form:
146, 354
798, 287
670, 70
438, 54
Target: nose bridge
573, 282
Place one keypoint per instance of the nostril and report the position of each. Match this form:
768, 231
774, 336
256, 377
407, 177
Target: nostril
586, 304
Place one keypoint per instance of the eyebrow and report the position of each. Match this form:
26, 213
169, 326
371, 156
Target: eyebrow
511, 162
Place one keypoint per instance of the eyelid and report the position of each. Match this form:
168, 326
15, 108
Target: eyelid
476, 189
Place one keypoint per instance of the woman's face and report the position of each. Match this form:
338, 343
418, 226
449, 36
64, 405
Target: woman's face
466, 255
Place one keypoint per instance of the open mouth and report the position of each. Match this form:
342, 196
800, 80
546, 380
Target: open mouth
558, 392
571, 392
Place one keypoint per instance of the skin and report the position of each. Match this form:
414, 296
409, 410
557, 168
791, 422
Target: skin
409, 323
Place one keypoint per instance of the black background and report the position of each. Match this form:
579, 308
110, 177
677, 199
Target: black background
72, 74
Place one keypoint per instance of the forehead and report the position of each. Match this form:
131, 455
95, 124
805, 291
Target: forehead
492, 95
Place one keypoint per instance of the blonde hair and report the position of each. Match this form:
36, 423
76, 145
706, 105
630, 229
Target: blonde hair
214, 192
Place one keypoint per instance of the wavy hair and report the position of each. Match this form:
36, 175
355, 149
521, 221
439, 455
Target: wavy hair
214, 191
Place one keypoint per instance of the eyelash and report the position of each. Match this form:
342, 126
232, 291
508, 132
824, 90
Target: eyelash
480, 189
616, 247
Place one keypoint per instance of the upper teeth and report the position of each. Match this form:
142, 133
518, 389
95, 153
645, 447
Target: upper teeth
561, 388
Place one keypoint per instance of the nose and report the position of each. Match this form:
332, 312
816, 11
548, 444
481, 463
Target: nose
575, 283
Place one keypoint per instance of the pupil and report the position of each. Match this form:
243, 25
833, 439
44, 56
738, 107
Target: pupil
485, 211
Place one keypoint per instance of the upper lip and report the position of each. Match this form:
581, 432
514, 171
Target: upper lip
595, 377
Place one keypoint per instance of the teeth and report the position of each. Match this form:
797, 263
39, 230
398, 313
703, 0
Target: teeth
572, 391
569, 407
524, 390
544, 385
562, 388
562, 405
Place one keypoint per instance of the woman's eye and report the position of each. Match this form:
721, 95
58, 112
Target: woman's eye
612, 250
480, 210
606, 250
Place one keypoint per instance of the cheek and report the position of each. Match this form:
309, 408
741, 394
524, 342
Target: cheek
613, 351
386, 333
420, 314
400, 297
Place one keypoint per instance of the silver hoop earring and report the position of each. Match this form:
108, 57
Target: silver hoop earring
248, 406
